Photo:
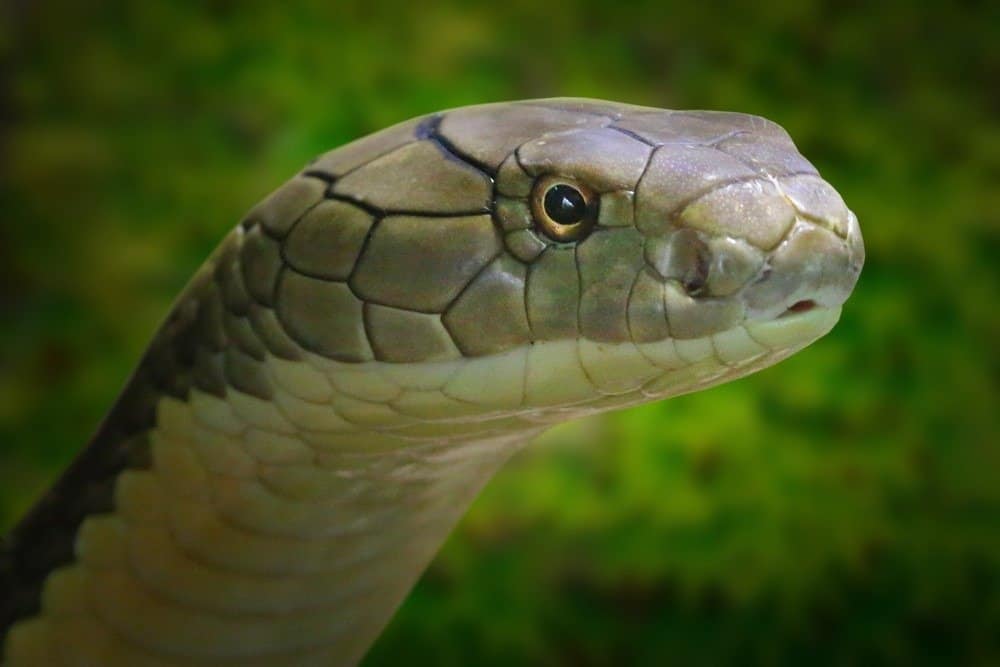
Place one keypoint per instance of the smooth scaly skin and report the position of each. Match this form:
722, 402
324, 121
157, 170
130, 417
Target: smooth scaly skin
377, 337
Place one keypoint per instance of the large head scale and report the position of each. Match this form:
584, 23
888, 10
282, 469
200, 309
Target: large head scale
557, 255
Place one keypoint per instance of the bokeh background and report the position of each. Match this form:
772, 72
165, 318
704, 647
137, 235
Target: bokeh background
842, 508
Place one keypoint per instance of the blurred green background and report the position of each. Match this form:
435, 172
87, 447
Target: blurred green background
841, 508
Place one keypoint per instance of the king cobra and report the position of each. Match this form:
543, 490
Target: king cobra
379, 335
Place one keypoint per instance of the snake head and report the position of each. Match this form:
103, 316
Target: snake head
374, 340
557, 254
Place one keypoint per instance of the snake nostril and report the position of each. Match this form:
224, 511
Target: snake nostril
683, 256
695, 278
694, 282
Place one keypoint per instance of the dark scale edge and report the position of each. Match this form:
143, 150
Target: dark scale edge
44, 538
429, 126
327, 178
430, 130
349, 281
634, 135
377, 212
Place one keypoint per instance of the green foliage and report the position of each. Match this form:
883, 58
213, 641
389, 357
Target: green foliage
841, 508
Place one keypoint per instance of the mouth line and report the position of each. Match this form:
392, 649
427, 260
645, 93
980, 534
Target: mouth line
802, 306
794, 329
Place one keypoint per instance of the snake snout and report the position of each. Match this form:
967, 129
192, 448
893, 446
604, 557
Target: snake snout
814, 266
792, 247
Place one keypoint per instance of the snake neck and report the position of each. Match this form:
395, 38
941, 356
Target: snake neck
245, 544
272, 510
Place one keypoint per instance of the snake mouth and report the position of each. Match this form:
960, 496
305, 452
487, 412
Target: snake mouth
794, 329
801, 306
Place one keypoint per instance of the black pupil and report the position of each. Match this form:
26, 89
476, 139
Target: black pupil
565, 205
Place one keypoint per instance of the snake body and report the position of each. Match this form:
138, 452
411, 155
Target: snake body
372, 342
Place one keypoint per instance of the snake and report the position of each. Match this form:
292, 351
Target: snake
373, 340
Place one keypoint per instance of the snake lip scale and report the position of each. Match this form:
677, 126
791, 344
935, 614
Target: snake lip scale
370, 344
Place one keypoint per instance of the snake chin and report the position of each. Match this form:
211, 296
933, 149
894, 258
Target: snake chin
802, 323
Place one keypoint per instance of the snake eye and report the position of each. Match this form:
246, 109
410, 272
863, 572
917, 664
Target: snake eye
564, 211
